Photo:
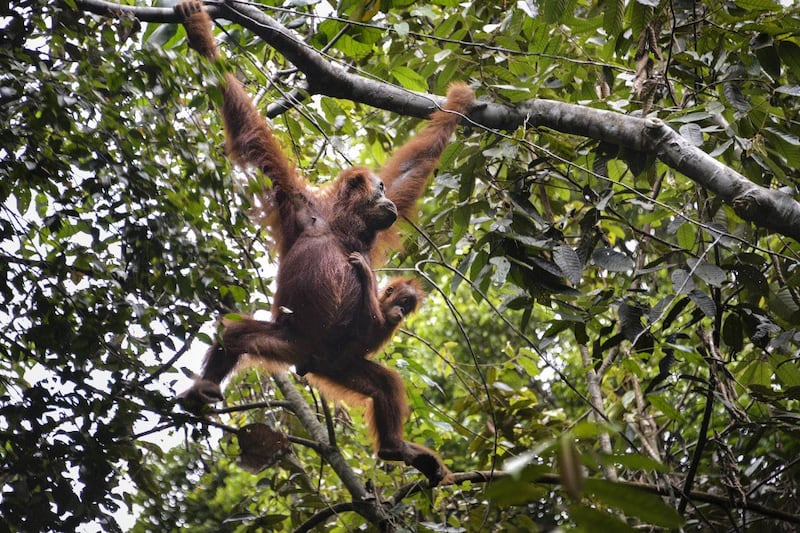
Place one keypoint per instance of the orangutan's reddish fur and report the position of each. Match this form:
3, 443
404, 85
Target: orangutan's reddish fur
327, 314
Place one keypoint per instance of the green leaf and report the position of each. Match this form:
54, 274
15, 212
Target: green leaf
758, 5
591, 519
352, 48
665, 407
569, 467
163, 34
789, 52
553, 10
757, 373
787, 370
647, 507
635, 461
640, 16
686, 235
509, 491
613, 16
732, 333
409, 79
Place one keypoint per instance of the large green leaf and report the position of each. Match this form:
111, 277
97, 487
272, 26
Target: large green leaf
647, 507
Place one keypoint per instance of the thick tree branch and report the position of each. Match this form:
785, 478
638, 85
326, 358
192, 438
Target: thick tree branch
764, 207
143, 13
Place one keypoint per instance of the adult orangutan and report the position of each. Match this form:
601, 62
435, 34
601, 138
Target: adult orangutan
327, 315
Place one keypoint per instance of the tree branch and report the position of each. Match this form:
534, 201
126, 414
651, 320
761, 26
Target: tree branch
764, 207
368, 507
321, 516
768, 208
598, 413
273, 404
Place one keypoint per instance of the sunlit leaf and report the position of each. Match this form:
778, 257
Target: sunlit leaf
409, 79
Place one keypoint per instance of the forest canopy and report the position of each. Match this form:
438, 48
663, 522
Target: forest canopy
610, 249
